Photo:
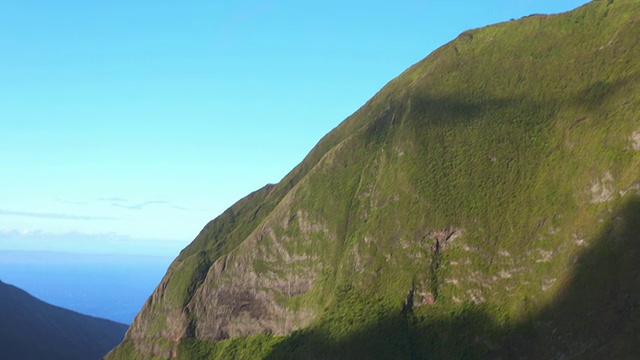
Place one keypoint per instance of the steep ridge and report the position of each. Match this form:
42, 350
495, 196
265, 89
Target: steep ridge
484, 203
33, 329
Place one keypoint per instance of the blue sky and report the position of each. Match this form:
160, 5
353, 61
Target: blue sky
143, 120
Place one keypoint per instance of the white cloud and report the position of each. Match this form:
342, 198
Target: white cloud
86, 243
53, 216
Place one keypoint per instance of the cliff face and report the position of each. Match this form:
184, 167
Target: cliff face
483, 203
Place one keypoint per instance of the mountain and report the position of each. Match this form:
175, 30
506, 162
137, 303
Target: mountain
33, 329
484, 204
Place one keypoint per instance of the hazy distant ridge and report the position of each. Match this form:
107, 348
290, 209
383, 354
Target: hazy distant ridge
32, 329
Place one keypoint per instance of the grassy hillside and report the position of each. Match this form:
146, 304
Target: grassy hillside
485, 203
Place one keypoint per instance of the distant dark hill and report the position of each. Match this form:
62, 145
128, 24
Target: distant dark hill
33, 329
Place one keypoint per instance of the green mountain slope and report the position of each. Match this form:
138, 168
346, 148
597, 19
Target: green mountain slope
484, 204
31, 329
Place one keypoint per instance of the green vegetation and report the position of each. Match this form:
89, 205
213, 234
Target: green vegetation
484, 204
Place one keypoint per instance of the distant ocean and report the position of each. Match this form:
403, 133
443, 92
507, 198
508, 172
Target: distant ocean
108, 286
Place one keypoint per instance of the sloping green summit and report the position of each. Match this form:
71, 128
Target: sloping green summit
484, 204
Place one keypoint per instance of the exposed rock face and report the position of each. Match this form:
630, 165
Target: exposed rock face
170, 323
236, 294
238, 300
486, 198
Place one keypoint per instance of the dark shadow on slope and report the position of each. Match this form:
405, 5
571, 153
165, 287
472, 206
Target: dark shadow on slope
450, 110
601, 93
596, 316
397, 336
427, 109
